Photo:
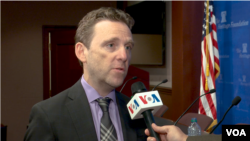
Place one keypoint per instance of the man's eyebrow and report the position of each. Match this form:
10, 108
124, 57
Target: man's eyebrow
109, 40
131, 42
116, 39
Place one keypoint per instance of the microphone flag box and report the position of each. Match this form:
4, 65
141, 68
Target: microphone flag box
144, 101
236, 132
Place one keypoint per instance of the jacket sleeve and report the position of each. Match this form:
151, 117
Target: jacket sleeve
39, 128
204, 138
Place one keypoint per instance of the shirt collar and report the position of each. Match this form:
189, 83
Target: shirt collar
92, 94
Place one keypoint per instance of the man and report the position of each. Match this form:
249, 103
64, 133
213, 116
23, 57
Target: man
103, 47
174, 133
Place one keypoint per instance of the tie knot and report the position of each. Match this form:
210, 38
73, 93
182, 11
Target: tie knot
104, 103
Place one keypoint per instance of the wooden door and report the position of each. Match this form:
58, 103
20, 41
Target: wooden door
61, 66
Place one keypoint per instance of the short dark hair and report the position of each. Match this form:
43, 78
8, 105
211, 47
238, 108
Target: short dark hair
84, 32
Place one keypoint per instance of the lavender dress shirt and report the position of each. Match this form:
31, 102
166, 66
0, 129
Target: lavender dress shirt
92, 95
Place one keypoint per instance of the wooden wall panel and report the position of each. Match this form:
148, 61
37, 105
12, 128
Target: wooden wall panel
166, 97
186, 55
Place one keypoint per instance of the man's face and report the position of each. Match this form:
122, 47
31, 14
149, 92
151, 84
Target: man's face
109, 54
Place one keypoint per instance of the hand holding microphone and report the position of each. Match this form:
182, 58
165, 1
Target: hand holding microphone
143, 104
167, 133
173, 133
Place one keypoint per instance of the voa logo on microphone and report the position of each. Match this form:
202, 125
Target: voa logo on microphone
241, 132
145, 99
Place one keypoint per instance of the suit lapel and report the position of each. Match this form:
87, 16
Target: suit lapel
128, 132
80, 112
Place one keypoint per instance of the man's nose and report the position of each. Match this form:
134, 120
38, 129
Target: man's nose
123, 54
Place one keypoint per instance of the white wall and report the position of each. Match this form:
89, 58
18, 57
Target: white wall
22, 58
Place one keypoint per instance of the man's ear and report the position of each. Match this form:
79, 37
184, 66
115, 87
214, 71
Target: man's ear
81, 52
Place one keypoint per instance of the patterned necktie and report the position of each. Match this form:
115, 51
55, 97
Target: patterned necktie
108, 132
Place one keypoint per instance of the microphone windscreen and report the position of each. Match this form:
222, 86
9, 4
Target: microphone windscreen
135, 77
212, 91
164, 81
138, 87
236, 100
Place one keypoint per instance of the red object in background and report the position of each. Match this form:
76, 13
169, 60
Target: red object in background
142, 76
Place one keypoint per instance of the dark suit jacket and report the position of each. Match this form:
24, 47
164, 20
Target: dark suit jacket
67, 117
205, 138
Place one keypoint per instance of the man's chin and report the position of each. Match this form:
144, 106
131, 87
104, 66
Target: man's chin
116, 83
116, 80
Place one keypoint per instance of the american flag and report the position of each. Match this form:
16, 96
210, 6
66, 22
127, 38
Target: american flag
210, 65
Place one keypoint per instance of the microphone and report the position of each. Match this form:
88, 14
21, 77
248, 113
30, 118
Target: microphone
143, 104
235, 102
211, 91
133, 78
164, 81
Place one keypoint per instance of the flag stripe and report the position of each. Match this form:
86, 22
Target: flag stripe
207, 104
211, 86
